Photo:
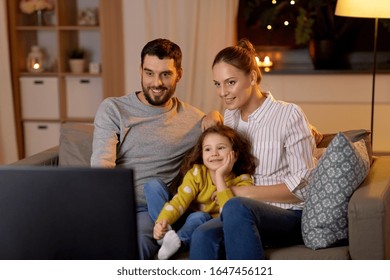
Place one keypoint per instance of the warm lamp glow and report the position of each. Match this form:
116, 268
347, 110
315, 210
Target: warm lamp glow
363, 8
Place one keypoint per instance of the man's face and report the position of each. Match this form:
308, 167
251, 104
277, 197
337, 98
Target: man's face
159, 78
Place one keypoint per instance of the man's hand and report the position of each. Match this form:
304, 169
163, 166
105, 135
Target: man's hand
160, 229
212, 118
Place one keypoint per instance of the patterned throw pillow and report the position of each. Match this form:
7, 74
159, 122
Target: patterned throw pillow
341, 169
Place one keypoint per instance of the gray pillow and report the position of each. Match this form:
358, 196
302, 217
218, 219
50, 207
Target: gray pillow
341, 169
76, 144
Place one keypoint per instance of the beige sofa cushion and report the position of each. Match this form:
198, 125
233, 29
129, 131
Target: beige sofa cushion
369, 214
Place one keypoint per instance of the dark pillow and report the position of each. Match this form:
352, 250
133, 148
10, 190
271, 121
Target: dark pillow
353, 135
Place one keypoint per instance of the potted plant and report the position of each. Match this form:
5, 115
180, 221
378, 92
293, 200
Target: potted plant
318, 27
77, 58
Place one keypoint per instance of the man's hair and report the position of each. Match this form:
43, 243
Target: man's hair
162, 48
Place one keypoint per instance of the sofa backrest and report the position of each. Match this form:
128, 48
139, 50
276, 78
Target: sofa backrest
353, 135
76, 144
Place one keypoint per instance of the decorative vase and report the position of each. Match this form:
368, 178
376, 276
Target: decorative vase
77, 65
40, 17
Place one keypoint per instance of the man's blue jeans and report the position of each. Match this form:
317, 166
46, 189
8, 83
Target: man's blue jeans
246, 227
147, 246
157, 195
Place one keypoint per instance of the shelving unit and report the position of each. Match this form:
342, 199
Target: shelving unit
72, 97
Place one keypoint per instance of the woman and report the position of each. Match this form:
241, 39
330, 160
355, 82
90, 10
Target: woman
269, 212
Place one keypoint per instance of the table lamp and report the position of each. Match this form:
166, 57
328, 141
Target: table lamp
366, 9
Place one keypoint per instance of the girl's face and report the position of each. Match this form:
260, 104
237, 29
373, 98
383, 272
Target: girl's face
215, 149
233, 85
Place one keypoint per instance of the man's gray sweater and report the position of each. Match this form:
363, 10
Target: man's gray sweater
151, 140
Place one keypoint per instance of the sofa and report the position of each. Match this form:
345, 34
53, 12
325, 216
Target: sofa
368, 207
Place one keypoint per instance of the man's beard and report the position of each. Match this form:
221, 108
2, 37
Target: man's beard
159, 100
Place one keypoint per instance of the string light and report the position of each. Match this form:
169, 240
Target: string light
286, 22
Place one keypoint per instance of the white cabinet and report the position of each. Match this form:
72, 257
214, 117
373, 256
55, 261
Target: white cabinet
52, 95
40, 136
83, 96
39, 98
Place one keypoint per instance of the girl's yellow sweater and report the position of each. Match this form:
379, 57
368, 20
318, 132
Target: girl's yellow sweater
195, 193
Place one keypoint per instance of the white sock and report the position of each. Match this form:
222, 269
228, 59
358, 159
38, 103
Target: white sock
160, 241
171, 244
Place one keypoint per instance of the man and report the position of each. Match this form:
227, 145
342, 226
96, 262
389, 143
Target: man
150, 130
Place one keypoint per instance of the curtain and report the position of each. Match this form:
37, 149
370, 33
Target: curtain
8, 147
201, 28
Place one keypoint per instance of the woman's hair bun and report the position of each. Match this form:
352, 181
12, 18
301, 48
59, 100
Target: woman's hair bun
246, 44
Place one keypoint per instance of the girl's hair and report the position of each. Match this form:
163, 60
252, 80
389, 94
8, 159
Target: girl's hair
246, 162
241, 56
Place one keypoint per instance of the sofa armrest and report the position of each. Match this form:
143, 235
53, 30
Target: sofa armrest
48, 157
369, 214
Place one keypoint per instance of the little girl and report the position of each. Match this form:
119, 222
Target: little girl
221, 158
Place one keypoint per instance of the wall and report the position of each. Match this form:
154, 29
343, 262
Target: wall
201, 28
337, 101
8, 150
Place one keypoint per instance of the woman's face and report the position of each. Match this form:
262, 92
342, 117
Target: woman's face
232, 85
215, 149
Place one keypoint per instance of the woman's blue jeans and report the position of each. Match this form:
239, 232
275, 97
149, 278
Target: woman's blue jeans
157, 194
246, 227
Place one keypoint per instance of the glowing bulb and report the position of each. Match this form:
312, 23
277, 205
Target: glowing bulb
274, 2
269, 26
266, 63
36, 66
286, 22
292, 2
257, 61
